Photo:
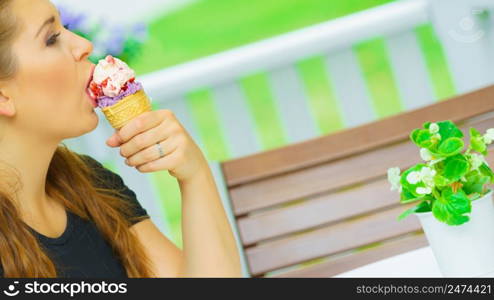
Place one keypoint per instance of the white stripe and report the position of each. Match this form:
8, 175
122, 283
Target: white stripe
467, 41
298, 122
350, 89
236, 120
408, 65
285, 49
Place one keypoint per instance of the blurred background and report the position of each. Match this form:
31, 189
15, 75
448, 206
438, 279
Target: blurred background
223, 67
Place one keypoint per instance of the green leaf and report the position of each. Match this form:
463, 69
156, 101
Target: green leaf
477, 142
487, 171
448, 129
475, 182
421, 207
413, 135
451, 146
451, 207
441, 181
408, 189
406, 196
423, 139
425, 206
474, 196
455, 167
406, 213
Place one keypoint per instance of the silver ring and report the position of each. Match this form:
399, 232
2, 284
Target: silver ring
160, 150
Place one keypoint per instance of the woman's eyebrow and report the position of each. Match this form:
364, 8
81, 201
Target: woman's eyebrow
51, 20
47, 22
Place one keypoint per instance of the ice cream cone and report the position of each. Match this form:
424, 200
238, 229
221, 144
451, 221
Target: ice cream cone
127, 109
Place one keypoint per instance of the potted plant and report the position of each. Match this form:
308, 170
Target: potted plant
454, 205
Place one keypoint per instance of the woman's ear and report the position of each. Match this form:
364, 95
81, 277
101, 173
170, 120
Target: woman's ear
7, 107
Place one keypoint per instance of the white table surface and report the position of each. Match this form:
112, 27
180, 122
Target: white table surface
415, 263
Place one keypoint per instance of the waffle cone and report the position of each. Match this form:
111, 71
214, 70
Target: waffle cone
127, 109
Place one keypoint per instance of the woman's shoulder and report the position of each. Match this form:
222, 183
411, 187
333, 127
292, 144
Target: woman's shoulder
105, 177
110, 180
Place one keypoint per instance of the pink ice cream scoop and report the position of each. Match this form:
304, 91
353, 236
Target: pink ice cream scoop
112, 81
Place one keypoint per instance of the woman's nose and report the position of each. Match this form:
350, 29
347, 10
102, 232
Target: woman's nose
82, 49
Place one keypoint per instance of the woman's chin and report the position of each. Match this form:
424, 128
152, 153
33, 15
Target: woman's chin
90, 123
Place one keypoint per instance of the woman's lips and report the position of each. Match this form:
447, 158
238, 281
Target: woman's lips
94, 102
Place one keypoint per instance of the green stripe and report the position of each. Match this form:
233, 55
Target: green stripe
204, 114
207, 27
110, 165
376, 68
435, 59
322, 101
155, 105
261, 103
170, 202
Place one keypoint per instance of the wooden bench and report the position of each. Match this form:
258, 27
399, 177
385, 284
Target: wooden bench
324, 206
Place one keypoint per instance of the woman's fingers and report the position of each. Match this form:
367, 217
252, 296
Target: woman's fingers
151, 153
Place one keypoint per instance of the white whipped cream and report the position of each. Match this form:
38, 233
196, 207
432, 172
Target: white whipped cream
117, 72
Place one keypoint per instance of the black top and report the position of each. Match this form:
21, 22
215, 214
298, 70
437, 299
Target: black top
81, 251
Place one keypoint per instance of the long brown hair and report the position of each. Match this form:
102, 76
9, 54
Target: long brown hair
73, 183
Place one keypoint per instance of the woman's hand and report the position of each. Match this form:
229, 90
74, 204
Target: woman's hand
137, 141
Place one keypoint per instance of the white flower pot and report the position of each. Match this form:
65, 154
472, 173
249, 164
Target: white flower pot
465, 250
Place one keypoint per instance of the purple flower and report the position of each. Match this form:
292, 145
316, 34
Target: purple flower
116, 41
107, 38
140, 31
73, 20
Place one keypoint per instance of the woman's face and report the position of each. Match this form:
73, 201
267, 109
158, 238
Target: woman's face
48, 92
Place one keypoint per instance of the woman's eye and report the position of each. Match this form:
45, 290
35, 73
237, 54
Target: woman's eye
52, 40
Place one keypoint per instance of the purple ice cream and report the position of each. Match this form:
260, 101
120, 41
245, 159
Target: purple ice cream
132, 88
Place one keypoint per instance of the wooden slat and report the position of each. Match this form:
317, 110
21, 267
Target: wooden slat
355, 140
336, 206
347, 235
317, 211
349, 262
333, 175
329, 240
322, 178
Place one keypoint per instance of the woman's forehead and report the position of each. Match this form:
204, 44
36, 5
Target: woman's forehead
32, 14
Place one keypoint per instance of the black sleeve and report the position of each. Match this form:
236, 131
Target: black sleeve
111, 180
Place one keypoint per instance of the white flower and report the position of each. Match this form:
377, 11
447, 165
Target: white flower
413, 177
433, 128
423, 191
394, 178
427, 175
477, 160
489, 136
425, 154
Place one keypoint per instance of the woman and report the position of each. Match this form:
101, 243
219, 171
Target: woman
64, 214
